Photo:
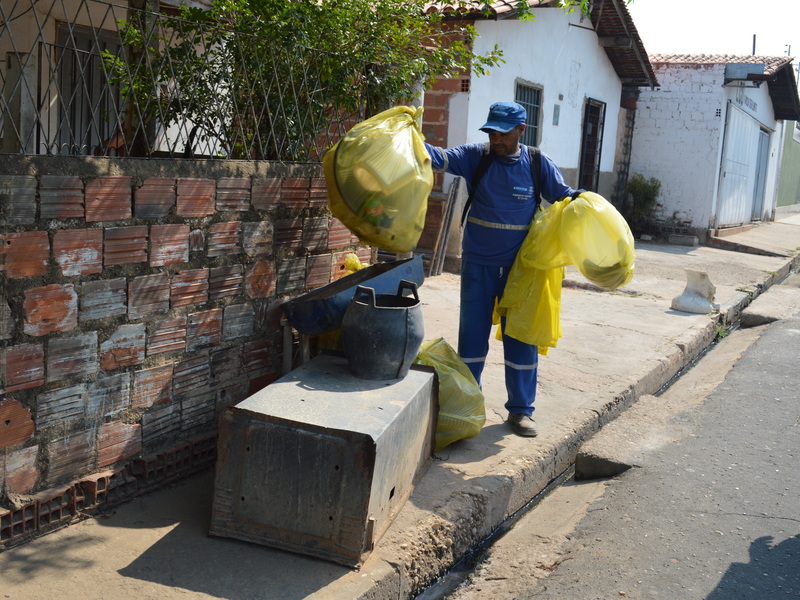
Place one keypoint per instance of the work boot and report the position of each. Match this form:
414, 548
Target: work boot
523, 425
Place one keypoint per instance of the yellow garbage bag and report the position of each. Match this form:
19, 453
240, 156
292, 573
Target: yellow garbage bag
587, 232
598, 241
379, 178
461, 404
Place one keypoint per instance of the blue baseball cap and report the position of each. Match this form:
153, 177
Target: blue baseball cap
504, 116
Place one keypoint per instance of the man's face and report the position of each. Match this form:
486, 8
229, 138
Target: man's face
506, 144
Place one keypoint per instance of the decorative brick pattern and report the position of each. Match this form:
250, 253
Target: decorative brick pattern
152, 387
225, 364
108, 199
155, 198
295, 192
50, 308
238, 321
7, 327
22, 368
108, 396
224, 239
291, 276
225, 282
195, 197
260, 280
72, 357
192, 389
71, 456
125, 348
26, 254
125, 245
18, 197
257, 238
319, 270
204, 329
289, 233
233, 194
79, 251
169, 244
160, 422
61, 197
62, 407
339, 236
21, 470
257, 357
118, 441
16, 424
189, 287
318, 193
103, 299
167, 336
315, 234
266, 193
148, 295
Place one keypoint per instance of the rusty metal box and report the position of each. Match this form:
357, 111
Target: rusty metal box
319, 462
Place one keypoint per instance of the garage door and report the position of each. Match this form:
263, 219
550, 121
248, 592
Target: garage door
738, 173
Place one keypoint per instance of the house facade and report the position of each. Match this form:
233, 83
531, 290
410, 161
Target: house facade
711, 133
574, 73
788, 202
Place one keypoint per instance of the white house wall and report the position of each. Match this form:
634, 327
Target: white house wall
569, 65
678, 139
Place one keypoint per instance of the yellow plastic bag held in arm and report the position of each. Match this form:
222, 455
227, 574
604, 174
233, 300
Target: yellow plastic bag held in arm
461, 405
587, 232
379, 177
598, 241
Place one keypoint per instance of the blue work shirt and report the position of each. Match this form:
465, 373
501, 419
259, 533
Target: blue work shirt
504, 202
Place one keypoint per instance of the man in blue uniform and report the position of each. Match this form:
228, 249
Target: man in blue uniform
504, 202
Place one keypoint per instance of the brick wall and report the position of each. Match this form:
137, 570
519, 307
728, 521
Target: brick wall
137, 300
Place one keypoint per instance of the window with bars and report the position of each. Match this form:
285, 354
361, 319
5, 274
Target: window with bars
531, 98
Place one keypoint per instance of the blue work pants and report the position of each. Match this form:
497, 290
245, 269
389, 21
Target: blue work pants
480, 286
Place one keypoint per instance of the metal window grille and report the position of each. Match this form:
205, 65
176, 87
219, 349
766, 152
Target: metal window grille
72, 82
530, 98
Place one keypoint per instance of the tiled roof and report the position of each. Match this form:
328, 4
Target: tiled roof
778, 73
772, 64
612, 23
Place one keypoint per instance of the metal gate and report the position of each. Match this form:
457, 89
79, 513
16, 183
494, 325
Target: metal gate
739, 169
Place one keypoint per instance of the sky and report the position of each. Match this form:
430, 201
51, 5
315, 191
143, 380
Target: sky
718, 26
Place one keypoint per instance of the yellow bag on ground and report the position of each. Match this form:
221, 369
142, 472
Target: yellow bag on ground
379, 177
598, 241
461, 408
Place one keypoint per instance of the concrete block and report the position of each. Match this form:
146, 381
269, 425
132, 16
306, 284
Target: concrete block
155, 198
167, 336
233, 194
24, 254
260, 280
224, 239
22, 367
79, 251
125, 245
18, 426
108, 199
103, 299
225, 282
195, 197
319, 462
169, 244
49, 309
61, 197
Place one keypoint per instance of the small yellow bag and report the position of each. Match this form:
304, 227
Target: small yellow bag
461, 404
379, 178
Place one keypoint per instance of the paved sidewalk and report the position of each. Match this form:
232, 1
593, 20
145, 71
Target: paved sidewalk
616, 346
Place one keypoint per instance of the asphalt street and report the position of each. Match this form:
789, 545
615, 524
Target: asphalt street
710, 512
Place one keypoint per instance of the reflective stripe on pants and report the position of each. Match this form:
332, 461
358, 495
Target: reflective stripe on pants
480, 286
